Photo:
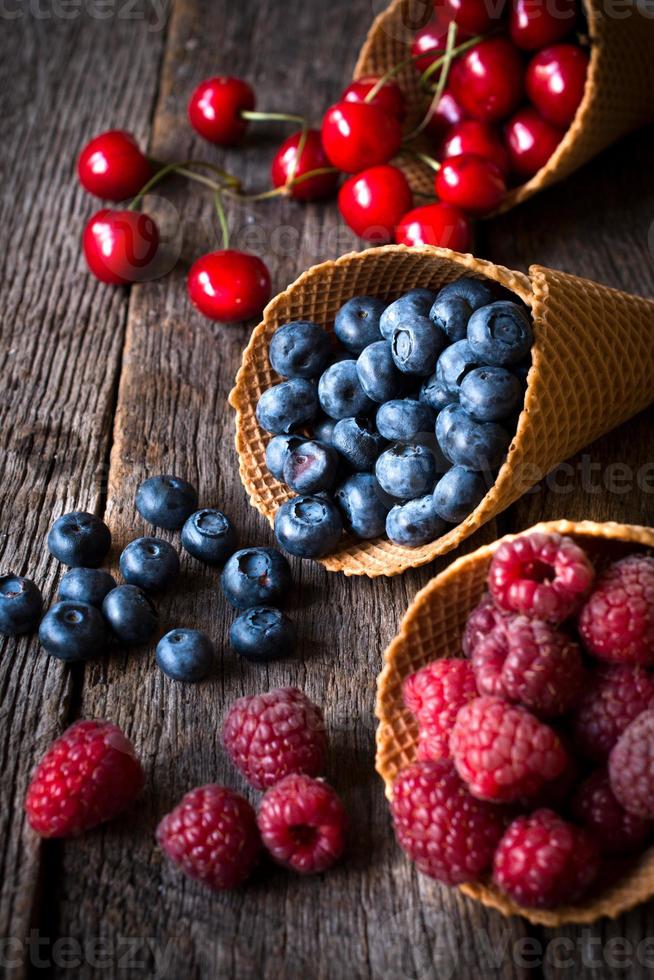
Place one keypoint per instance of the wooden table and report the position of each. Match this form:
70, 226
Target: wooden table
103, 386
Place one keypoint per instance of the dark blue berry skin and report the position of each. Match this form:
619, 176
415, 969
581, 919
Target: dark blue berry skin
130, 614
416, 303
277, 452
287, 406
379, 377
358, 442
149, 563
475, 445
458, 493
166, 501
308, 527
255, 577
357, 322
209, 536
340, 392
405, 420
490, 394
311, 468
263, 634
416, 345
324, 430
500, 334
73, 631
88, 585
437, 394
79, 539
300, 350
406, 471
20, 605
455, 304
363, 505
185, 655
415, 523
454, 364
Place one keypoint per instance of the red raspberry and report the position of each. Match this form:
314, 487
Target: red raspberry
543, 861
434, 696
617, 622
543, 575
503, 752
449, 834
482, 620
631, 766
303, 824
614, 696
212, 836
488, 660
556, 793
88, 775
268, 736
596, 808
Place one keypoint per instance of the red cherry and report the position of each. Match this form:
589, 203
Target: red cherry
535, 24
357, 135
228, 285
313, 158
487, 80
447, 113
531, 141
373, 202
389, 98
430, 41
215, 108
471, 183
120, 245
556, 79
474, 16
112, 166
476, 138
435, 224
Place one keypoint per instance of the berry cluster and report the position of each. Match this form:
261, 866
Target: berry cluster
536, 753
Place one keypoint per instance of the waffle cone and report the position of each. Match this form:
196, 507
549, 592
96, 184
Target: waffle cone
617, 99
593, 368
431, 629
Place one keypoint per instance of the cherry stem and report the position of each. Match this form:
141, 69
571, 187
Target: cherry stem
395, 70
461, 49
447, 59
425, 158
301, 144
183, 169
285, 189
222, 217
273, 117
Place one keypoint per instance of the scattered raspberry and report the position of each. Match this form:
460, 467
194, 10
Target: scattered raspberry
613, 697
503, 752
596, 808
631, 766
268, 736
617, 622
434, 696
88, 775
543, 575
449, 834
303, 824
543, 861
482, 620
212, 836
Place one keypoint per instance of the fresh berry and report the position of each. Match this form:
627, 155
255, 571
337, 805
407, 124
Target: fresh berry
455, 304
435, 224
535, 24
166, 501
415, 523
555, 82
487, 80
406, 470
303, 823
112, 166
357, 322
373, 202
631, 766
216, 107
388, 96
430, 41
445, 114
358, 135
209, 536
311, 467
119, 246
617, 622
340, 392
150, 563
299, 350
531, 141
287, 406
278, 450
482, 620
490, 394
479, 446
228, 285
308, 527
454, 364
185, 655
73, 631
255, 577
89, 585
21, 603
377, 373
79, 538
458, 493
405, 420
262, 633
269, 736
212, 836
500, 333
613, 697
473, 16
131, 614
416, 344
417, 302
363, 505
323, 429
595, 807
89, 775
434, 696
287, 167
478, 139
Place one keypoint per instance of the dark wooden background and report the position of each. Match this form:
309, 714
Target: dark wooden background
101, 387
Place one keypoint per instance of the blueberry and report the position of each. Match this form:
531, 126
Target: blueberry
454, 364
437, 394
308, 527
357, 322
476, 445
150, 563
277, 452
209, 536
185, 655
256, 576
166, 501
73, 631
300, 350
414, 523
358, 442
311, 468
377, 373
131, 614
363, 505
489, 394
406, 471
79, 539
455, 304
20, 605
88, 585
323, 430
340, 392
415, 346
416, 303
405, 420
287, 406
263, 633
458, 492
500, 334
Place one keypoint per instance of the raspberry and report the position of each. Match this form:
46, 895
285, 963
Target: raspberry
212, 836
543, 575
488, 660
449, 834
631, 766
268, 736
596, 808
303, 824
89, 775
481, 621
434, 696
503, 752
617, 622
543, 861
614, 696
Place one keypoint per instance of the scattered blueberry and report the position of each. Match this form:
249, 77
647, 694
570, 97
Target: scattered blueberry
379, 377
209, 535
489, 394
311, 467
287, 406
414, 523
363, 505
358, 442
406, 471
300, 350
256, 576
131, 614
79, 539
415, 303
415, 346
150, 563
20, 605
357, 322
166, 501
340, 393
455, 303
476, 445
324, 430
88, 585
405, 420
73, 631
277, 452
263, 633
458, 493
500, 334
308, 527
185, 655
